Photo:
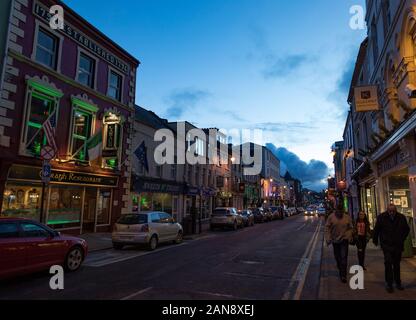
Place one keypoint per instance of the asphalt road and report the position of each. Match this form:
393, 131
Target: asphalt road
272, 261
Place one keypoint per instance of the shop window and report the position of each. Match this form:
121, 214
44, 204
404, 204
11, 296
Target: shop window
86, 70
65, 207
47, 49
146, 202
112, 141
115, 86
22, 201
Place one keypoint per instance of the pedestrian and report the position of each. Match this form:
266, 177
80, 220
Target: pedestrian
363, 233
339, 232
391, 231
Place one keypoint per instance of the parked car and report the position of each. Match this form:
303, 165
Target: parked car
27, 246
248, 217
321, 212
311, 211
226, 218
300, 210
278, 213
293, 211
259, 215
149, 228
268, 214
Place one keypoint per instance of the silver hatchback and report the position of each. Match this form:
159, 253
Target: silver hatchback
226, 218
150, 228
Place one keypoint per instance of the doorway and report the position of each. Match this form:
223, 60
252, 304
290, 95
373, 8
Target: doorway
90, 206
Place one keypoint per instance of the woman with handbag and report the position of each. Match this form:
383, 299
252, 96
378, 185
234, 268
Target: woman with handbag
363, 235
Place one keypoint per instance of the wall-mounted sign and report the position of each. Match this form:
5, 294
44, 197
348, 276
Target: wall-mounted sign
397, 158
26, 173
157, 186
83, 40
366, 99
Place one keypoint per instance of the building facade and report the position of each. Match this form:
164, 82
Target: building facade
383, 156
77, 87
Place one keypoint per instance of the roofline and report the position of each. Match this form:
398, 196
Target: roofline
96, 30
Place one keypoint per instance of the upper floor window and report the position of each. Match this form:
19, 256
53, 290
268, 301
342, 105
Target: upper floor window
86, 70
114, 86
47, 49
374, 41
112, 141
42, 106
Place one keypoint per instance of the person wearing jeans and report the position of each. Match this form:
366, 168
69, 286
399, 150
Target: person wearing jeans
363, 232
339, 233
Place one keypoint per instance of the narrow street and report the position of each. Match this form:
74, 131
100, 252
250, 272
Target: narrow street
273, 261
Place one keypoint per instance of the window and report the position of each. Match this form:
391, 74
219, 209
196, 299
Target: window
9, 230
374, 41
31, 230
155, 218
114, 86
86, 70
112, 141
81, 132
41, 107
22, 200
65, 207
47, 49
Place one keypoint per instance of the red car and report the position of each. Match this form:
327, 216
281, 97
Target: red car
27, 246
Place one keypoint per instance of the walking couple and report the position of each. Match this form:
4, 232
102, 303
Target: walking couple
391, 231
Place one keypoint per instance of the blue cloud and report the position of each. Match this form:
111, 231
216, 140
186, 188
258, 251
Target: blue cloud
311, 174
184, 100
283, 66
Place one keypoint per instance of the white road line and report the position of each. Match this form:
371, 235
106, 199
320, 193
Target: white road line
301, 271
105, 259
138, 293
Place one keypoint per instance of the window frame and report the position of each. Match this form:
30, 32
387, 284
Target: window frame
119, 134
82, 52
41, 90
60, 39
110, 72
81, 106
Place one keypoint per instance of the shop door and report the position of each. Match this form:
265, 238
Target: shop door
90, 206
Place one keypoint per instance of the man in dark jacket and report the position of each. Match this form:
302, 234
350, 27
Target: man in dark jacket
391, 230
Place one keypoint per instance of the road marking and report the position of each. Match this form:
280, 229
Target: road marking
301, 271
252, 262
138, 293
105, 258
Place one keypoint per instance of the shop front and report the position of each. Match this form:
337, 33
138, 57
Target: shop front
156, 195
395, 185
76, 201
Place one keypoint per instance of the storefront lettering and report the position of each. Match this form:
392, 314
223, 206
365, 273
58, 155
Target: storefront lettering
43, 13
392, 161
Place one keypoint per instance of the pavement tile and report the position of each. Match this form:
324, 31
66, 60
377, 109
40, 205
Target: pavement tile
332, 289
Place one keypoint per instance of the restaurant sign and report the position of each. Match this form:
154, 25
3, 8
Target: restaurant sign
83, 40
26, 173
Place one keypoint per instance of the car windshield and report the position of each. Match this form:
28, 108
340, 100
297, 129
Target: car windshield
220, 212
310, 209
130, 219
244, 213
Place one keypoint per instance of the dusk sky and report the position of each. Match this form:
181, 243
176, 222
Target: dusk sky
282, 66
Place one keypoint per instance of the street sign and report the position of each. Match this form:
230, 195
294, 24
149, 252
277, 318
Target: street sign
46, 172
47, 153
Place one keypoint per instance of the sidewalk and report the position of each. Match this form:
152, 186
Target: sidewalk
331, 287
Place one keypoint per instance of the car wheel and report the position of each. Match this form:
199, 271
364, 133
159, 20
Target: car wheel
118, 246
179, 238
74, 259
153, 243
235, 226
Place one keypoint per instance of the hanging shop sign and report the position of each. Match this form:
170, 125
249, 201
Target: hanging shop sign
366, 99
82, 39
27, 173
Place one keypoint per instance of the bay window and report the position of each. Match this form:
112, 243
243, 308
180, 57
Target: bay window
111, 141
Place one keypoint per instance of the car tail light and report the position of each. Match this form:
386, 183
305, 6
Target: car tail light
145, 228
